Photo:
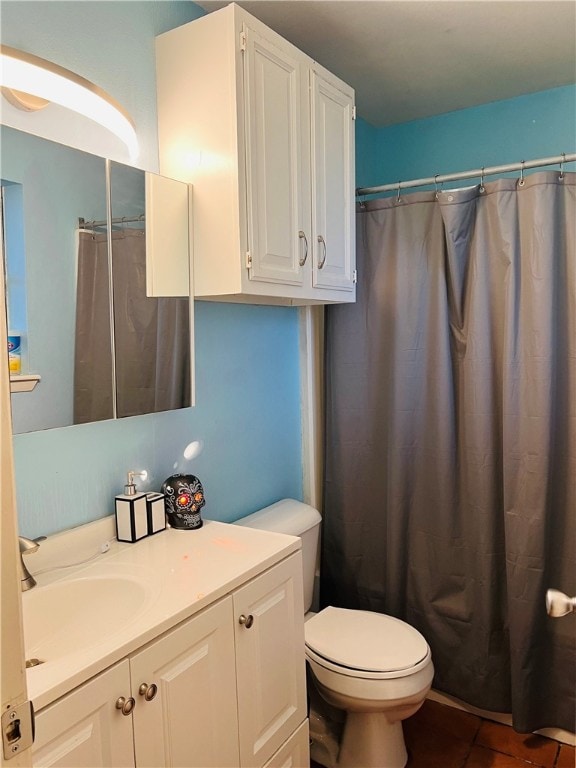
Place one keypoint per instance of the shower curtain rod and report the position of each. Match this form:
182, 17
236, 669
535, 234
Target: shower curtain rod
479, 172
83, 224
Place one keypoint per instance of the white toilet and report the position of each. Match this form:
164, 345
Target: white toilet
375, 667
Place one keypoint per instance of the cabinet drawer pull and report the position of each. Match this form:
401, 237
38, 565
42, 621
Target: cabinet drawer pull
125, 705
302, 236
246, 621
148, 691
323, 259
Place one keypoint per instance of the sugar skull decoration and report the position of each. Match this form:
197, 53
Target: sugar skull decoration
183, 500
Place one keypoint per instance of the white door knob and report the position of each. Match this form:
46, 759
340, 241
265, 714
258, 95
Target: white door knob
559, 604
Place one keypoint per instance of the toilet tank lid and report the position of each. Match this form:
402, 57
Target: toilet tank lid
287, 516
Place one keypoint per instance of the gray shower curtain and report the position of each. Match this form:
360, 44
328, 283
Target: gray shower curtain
450, 476
152, 335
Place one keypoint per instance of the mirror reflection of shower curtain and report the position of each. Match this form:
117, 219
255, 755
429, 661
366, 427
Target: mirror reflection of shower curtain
93, 386
152, 337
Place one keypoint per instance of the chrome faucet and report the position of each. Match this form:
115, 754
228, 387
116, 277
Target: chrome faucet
27, 581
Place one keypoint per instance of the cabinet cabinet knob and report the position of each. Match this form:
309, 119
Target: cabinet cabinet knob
148, 691
302, 236
125, 705
323, 259
246, 621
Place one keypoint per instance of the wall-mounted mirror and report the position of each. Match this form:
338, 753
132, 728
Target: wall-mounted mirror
86, 237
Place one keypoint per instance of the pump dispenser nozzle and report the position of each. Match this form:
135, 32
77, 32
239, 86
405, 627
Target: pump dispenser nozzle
130, 487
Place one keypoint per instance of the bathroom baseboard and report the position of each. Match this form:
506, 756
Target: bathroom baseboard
565, 737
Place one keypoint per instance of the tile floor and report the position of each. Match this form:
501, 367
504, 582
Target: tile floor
438, 736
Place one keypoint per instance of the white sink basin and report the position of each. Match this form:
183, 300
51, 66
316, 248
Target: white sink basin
80, 612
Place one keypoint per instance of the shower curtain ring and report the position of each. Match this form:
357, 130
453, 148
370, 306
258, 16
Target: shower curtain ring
561, 177
398, 199
436, 186
482, 188
521, 180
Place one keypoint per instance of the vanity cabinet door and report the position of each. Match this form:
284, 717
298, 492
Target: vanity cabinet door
269, 627
85, 728
294, 753
191, 720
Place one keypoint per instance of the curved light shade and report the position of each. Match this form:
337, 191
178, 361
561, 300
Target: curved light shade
20, 71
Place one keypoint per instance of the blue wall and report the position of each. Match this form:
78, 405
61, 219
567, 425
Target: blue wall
248, 408
247, 416
247, 362
528, 127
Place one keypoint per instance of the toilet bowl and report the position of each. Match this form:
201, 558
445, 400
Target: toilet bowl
375, 668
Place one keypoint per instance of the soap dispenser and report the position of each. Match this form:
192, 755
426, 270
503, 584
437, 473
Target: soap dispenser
131, 511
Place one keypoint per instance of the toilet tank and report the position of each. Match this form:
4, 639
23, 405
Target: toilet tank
296, 519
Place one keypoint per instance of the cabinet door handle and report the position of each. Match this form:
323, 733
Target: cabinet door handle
148, 691
323, 259
125, 705
246, 621
302, 236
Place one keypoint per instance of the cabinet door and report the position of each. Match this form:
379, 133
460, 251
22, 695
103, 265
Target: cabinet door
85, 728
269, 616
294, 753
191, 721
277, 186
333, 231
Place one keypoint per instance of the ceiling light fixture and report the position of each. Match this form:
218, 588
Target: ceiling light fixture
31, 83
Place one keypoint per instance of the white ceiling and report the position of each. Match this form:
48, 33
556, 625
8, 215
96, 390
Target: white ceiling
409, 59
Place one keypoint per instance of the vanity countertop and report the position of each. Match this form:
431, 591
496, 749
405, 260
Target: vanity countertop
182, 572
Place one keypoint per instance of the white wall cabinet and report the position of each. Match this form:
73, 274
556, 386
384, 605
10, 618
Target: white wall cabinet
266, 135
225, 688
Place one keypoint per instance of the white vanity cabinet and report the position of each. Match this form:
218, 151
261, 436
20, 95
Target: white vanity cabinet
225, 688
266, 135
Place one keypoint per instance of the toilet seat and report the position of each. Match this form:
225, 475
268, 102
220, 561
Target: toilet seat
365, 644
